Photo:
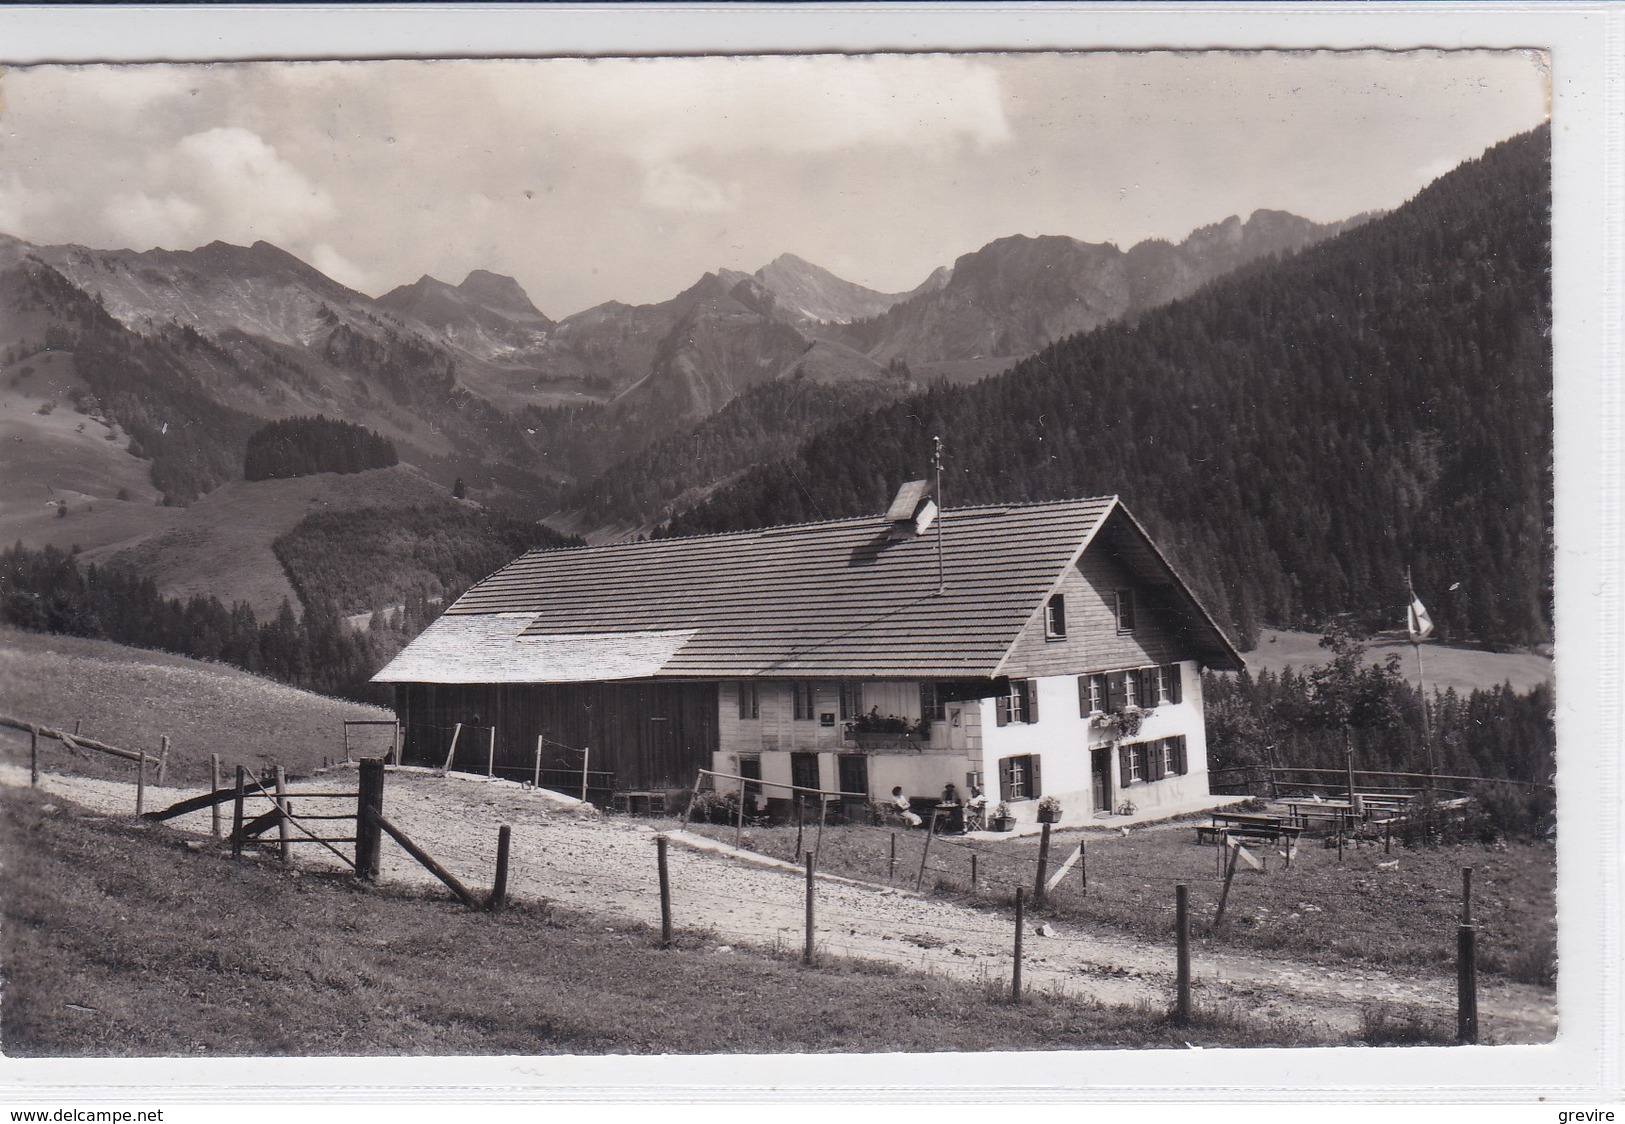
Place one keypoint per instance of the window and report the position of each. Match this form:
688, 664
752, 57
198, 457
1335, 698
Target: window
1174, 751
1055, 616
931, 702
1131, 763
851, 700
1131, 688
1091, 694
1169, 684
749, 705
1125, 610
802, 700
1018, 778
1019, 704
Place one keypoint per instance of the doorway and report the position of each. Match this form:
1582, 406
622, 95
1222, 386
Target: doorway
853, 776
1100, 769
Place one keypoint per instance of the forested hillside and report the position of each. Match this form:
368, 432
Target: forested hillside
764, 423
368, 558
1295, 435
290, 447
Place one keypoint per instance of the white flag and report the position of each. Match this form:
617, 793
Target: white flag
1418, 621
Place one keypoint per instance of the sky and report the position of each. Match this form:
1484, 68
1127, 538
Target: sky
626, 179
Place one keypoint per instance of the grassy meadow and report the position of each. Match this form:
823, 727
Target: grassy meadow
130, 697
175, 950
1394, 911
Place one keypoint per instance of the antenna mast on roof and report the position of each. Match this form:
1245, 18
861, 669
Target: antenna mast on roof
936, 461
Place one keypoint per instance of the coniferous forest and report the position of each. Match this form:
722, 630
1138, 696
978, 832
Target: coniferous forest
1294, 435
291, 447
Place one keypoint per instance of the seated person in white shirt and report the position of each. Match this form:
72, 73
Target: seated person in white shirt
900, 802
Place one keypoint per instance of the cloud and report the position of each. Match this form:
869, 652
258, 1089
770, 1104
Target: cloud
341, 269
674, 188
659, 109
247, 186
143, 220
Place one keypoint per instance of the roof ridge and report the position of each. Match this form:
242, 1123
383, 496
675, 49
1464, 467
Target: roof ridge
880, 518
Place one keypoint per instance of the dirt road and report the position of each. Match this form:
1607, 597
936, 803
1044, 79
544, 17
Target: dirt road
608, 868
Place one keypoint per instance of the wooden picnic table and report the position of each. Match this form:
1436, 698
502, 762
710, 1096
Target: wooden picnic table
1300, 812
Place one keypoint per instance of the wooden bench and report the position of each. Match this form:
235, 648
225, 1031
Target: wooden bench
1239, 825
639, 803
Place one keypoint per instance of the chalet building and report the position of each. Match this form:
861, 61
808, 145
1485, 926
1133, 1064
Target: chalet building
1043, 649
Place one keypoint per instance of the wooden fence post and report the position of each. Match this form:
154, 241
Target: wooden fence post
973, 870
1182, 937
536, 779
1466, 986
450, 753
368, 831
1466, 895
214, 786
395, 744
33, 756
739, 819
1015, 968
491, 754
282, 807
807, 948
586, 756
1224, 894
930, 833
237, 813
140, 784
801, 819
499, 884
1043, 867
665, 891
1083, 863
823, 814
163, 759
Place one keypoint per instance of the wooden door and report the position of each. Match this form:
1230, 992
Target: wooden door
1100, 768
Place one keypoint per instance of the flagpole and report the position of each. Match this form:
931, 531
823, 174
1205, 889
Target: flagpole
936, 461
1421, 679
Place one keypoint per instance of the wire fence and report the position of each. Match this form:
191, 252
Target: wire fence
772, 905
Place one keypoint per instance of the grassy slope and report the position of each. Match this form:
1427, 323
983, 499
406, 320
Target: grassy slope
129, 697
222, 544
63, 455
182, 952
1461, 668
1400, 918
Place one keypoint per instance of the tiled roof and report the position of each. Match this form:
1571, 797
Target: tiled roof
829, 599
490, 648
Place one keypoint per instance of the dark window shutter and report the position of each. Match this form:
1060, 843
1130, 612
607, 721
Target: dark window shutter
1034, 788
1179, 754
1175, 685
1153, 764
1001, 710
1029, 692
1114, 690
1125, 766
1145, 686
1006, 777
1083, 696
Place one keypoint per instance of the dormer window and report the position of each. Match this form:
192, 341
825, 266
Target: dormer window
1125, 610
1055, 617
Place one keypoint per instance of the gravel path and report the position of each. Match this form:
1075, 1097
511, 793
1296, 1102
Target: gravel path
569, 856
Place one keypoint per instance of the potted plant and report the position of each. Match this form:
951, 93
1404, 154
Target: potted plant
1124, 722
1002, 819
1049, 810
877, 731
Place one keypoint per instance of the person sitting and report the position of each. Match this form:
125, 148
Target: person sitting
950, 794
904, 809
976, 810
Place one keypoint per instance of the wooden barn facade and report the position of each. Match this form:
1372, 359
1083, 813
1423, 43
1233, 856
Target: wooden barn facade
1036, 649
